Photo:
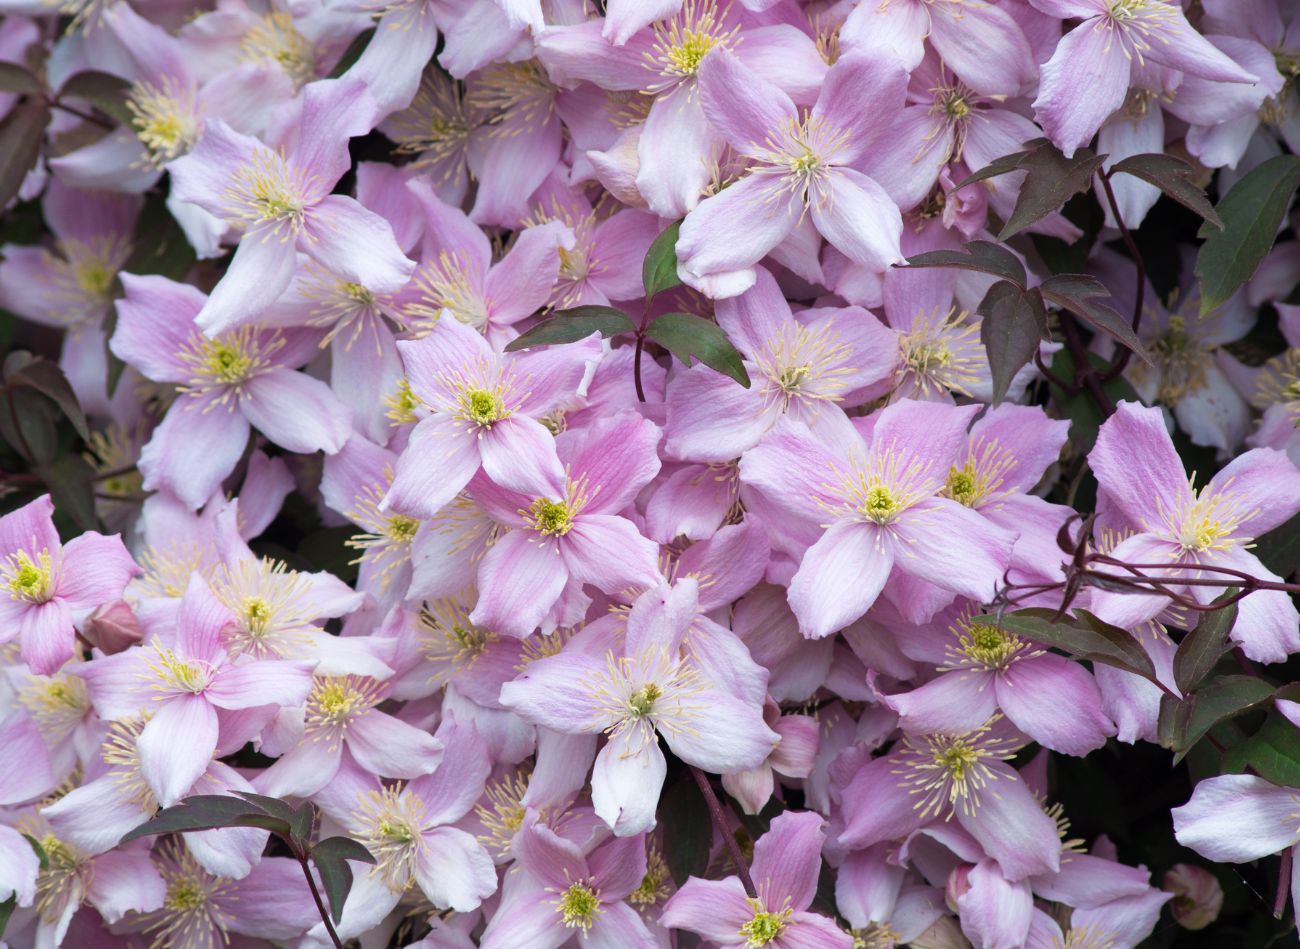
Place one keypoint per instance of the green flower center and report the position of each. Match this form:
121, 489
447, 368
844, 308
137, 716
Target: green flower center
30, 580
879, 504
764, 927
551, 518
579, 906
642, 701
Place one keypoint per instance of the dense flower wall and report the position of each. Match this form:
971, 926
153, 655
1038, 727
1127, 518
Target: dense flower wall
649, 473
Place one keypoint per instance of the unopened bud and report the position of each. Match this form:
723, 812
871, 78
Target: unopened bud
112, 628
1197, 895
958, 884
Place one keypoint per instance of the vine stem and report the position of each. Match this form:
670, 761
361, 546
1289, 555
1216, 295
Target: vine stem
1283, 884
315, 895
720, 821
640, 346
1139, 297
84, 116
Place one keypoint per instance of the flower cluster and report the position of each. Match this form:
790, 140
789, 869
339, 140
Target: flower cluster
507, 426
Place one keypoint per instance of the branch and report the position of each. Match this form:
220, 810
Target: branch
1125, 354
720, 822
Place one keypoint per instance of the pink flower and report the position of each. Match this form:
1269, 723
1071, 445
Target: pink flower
799, 165
802, 367
1089, 74
878, 500
48, 587
569, 897
1145, 490
631, 694
787, 860
568, 530
480, 410
239, 379
184, 684
280, 199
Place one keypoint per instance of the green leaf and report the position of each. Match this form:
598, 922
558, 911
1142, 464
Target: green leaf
1279, 549
159, 246
41, 856
208, 812
48, 379
1075, 292
14, 78
1204, 645
352, 53
686, 335
1273, 752
1013, 325
569, 326
106, 92
1083, 636
686, 822
1174, 177
331, 857
659, 270
980, 256
71, 482
21, 136
7, 908
1184, 723
1251, 214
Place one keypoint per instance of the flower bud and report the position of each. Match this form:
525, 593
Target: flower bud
112, 628
1197, 895
958, 884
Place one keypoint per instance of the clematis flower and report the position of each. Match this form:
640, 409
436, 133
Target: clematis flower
483, 411
569, 530
1089, 75
787, 860
801, 366
572, 898
241, 378
636, 694
49, 587
953, 776
799, 166
1173, 523
279, 198
886, 517
184, 684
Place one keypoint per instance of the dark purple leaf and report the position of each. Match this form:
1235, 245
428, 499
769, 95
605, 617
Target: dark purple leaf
21, 135
1174, 177
1014, 324
980, 256
1077, 293
1204, 645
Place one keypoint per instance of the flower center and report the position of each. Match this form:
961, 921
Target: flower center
335, 701
642, 701
275, 38
579, 906
402, 404
28, 579
951, 770
451, 283
552, 518
178, 675
392, 823
481, 406
435, 127
654, 885
164, 119
224, 364
765, 927
989, 645
266, 189
682, 42
879, 504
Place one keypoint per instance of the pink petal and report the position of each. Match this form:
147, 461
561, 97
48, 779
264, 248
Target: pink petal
1055, 702
730, 232
1012, 827
518, 453
438, 462
1236, 818
261, 270
1180, 47
176, 746
954, 548
711, 419
954, 702
355, 244
672, 150
125, 881
1262, 482
1081, 85
154, 325
609, 553
96, 570
46, 636
716, 909
861, 95
788, 858
615, 457
264, 682
858, 218
453, 870
994, 913
521, 283
519, 581
23, 743
876, 807
840, 577
742, 106
296, 411
394, 59
302, 770
984, 46
627, 778
193, 450
619, 926
734, 739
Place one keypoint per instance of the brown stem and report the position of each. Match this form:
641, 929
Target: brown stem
636, 367
1068, 387
1125, 354
84, 116
1283, 884
720, 822
1084, 372
315, 895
